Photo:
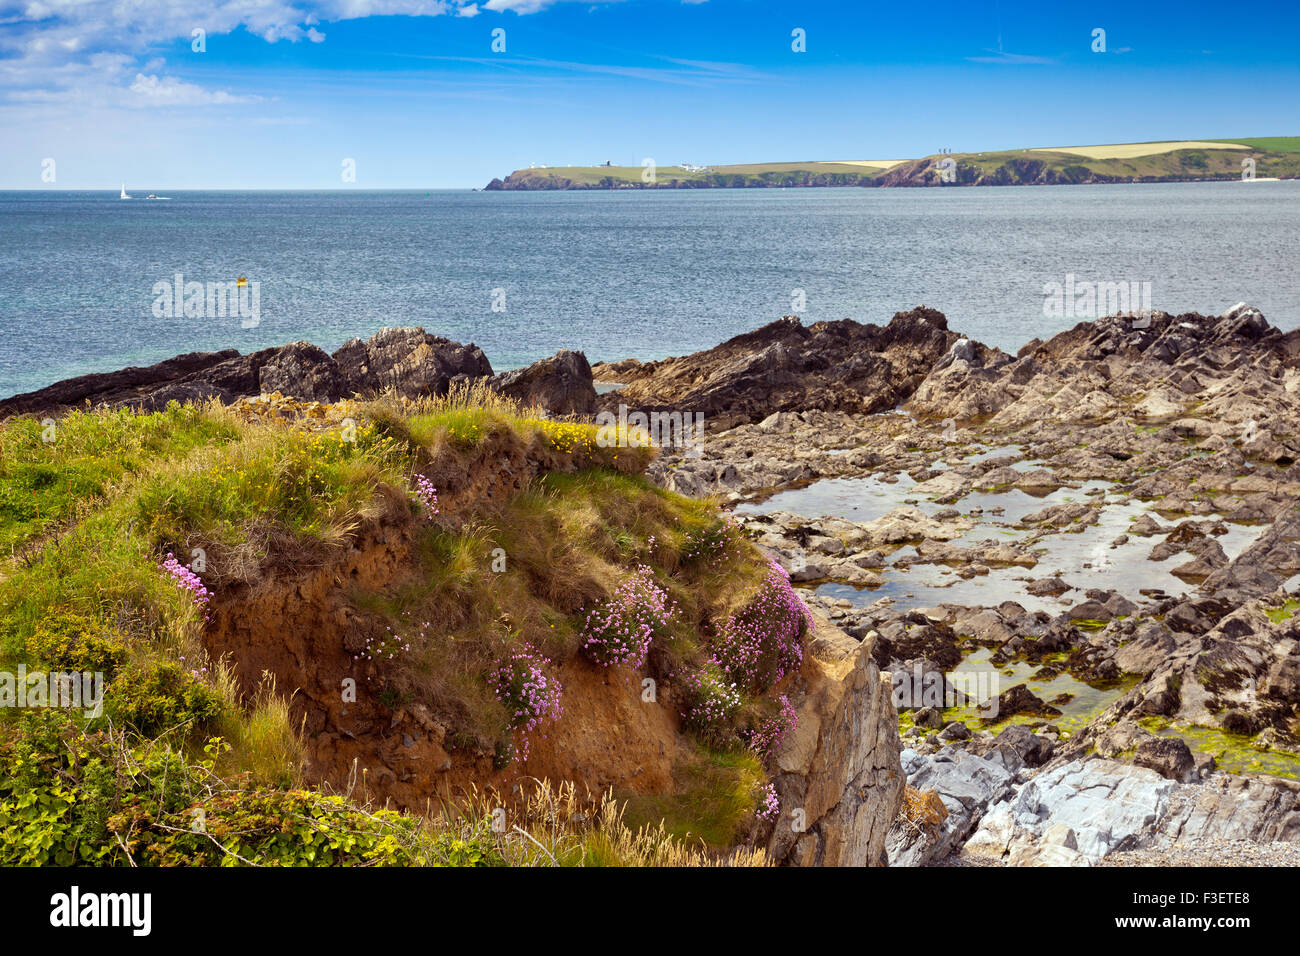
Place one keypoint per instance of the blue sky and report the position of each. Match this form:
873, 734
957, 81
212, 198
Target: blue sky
413, 92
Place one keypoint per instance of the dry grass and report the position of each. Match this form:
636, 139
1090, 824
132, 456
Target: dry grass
264, 744
1133, 150
550, 825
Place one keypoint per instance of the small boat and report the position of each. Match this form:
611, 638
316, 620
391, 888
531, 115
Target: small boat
151, 196
124, 195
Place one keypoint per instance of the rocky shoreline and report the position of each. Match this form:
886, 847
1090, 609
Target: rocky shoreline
1107, 521
1099, 535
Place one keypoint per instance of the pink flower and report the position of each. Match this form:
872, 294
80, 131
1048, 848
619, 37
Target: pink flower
529, 694
763, 642
187, 580
427, 495
619, 631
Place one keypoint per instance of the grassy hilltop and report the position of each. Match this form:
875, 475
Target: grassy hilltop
1171, 161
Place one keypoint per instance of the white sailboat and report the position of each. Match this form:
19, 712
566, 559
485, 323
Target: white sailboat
124, 195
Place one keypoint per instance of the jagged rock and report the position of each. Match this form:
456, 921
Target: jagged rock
560, 384
128, 385
1021, 700
158, 398
1034, 749
928, 717
966, 783
839, 767
1051, 587
955, 731
1168, 757
831, 643
302, 370
786, 366
1283, 680
410, 361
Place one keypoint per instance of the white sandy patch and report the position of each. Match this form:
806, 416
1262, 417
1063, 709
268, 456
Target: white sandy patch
1133, 150
875, 163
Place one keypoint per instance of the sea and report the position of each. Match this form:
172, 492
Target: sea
644, 274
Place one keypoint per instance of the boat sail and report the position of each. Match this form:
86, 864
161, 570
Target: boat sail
124, 195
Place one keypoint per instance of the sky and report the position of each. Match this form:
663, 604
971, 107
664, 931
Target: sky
281, 94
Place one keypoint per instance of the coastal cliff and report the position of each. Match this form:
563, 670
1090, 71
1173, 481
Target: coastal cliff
1276, 157
1104, 521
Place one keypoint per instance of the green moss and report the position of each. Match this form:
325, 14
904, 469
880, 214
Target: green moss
1285, 612
1233, 753
717, 792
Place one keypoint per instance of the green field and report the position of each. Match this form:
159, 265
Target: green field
1272, 144
616, 177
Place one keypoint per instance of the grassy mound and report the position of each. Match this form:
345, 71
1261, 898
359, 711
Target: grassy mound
508, 547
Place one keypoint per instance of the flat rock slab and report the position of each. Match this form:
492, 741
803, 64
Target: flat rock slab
1115, 807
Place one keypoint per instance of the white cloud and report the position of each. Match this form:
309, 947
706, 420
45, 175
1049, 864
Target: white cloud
90, 50
522, 7
59, 28
105, 52
170, 91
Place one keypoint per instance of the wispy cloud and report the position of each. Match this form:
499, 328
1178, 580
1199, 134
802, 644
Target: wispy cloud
523, 7
683, 72
96, 50
169, 91
1012, 59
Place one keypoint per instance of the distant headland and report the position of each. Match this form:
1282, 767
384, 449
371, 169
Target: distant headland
1249, 159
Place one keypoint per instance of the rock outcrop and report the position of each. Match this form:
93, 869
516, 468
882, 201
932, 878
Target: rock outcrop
410, 361
114, 388
560, 384
407, 361
1081, 374
838, 775
788, 366
1113, 807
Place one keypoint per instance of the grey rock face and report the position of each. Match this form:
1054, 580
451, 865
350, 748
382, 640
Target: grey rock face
560, 384
838, 775
966, 783
410, 361
1113, 807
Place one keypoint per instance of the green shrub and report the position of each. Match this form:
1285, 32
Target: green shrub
290, 828
70, 798
67, 641
54, 800
160, 695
